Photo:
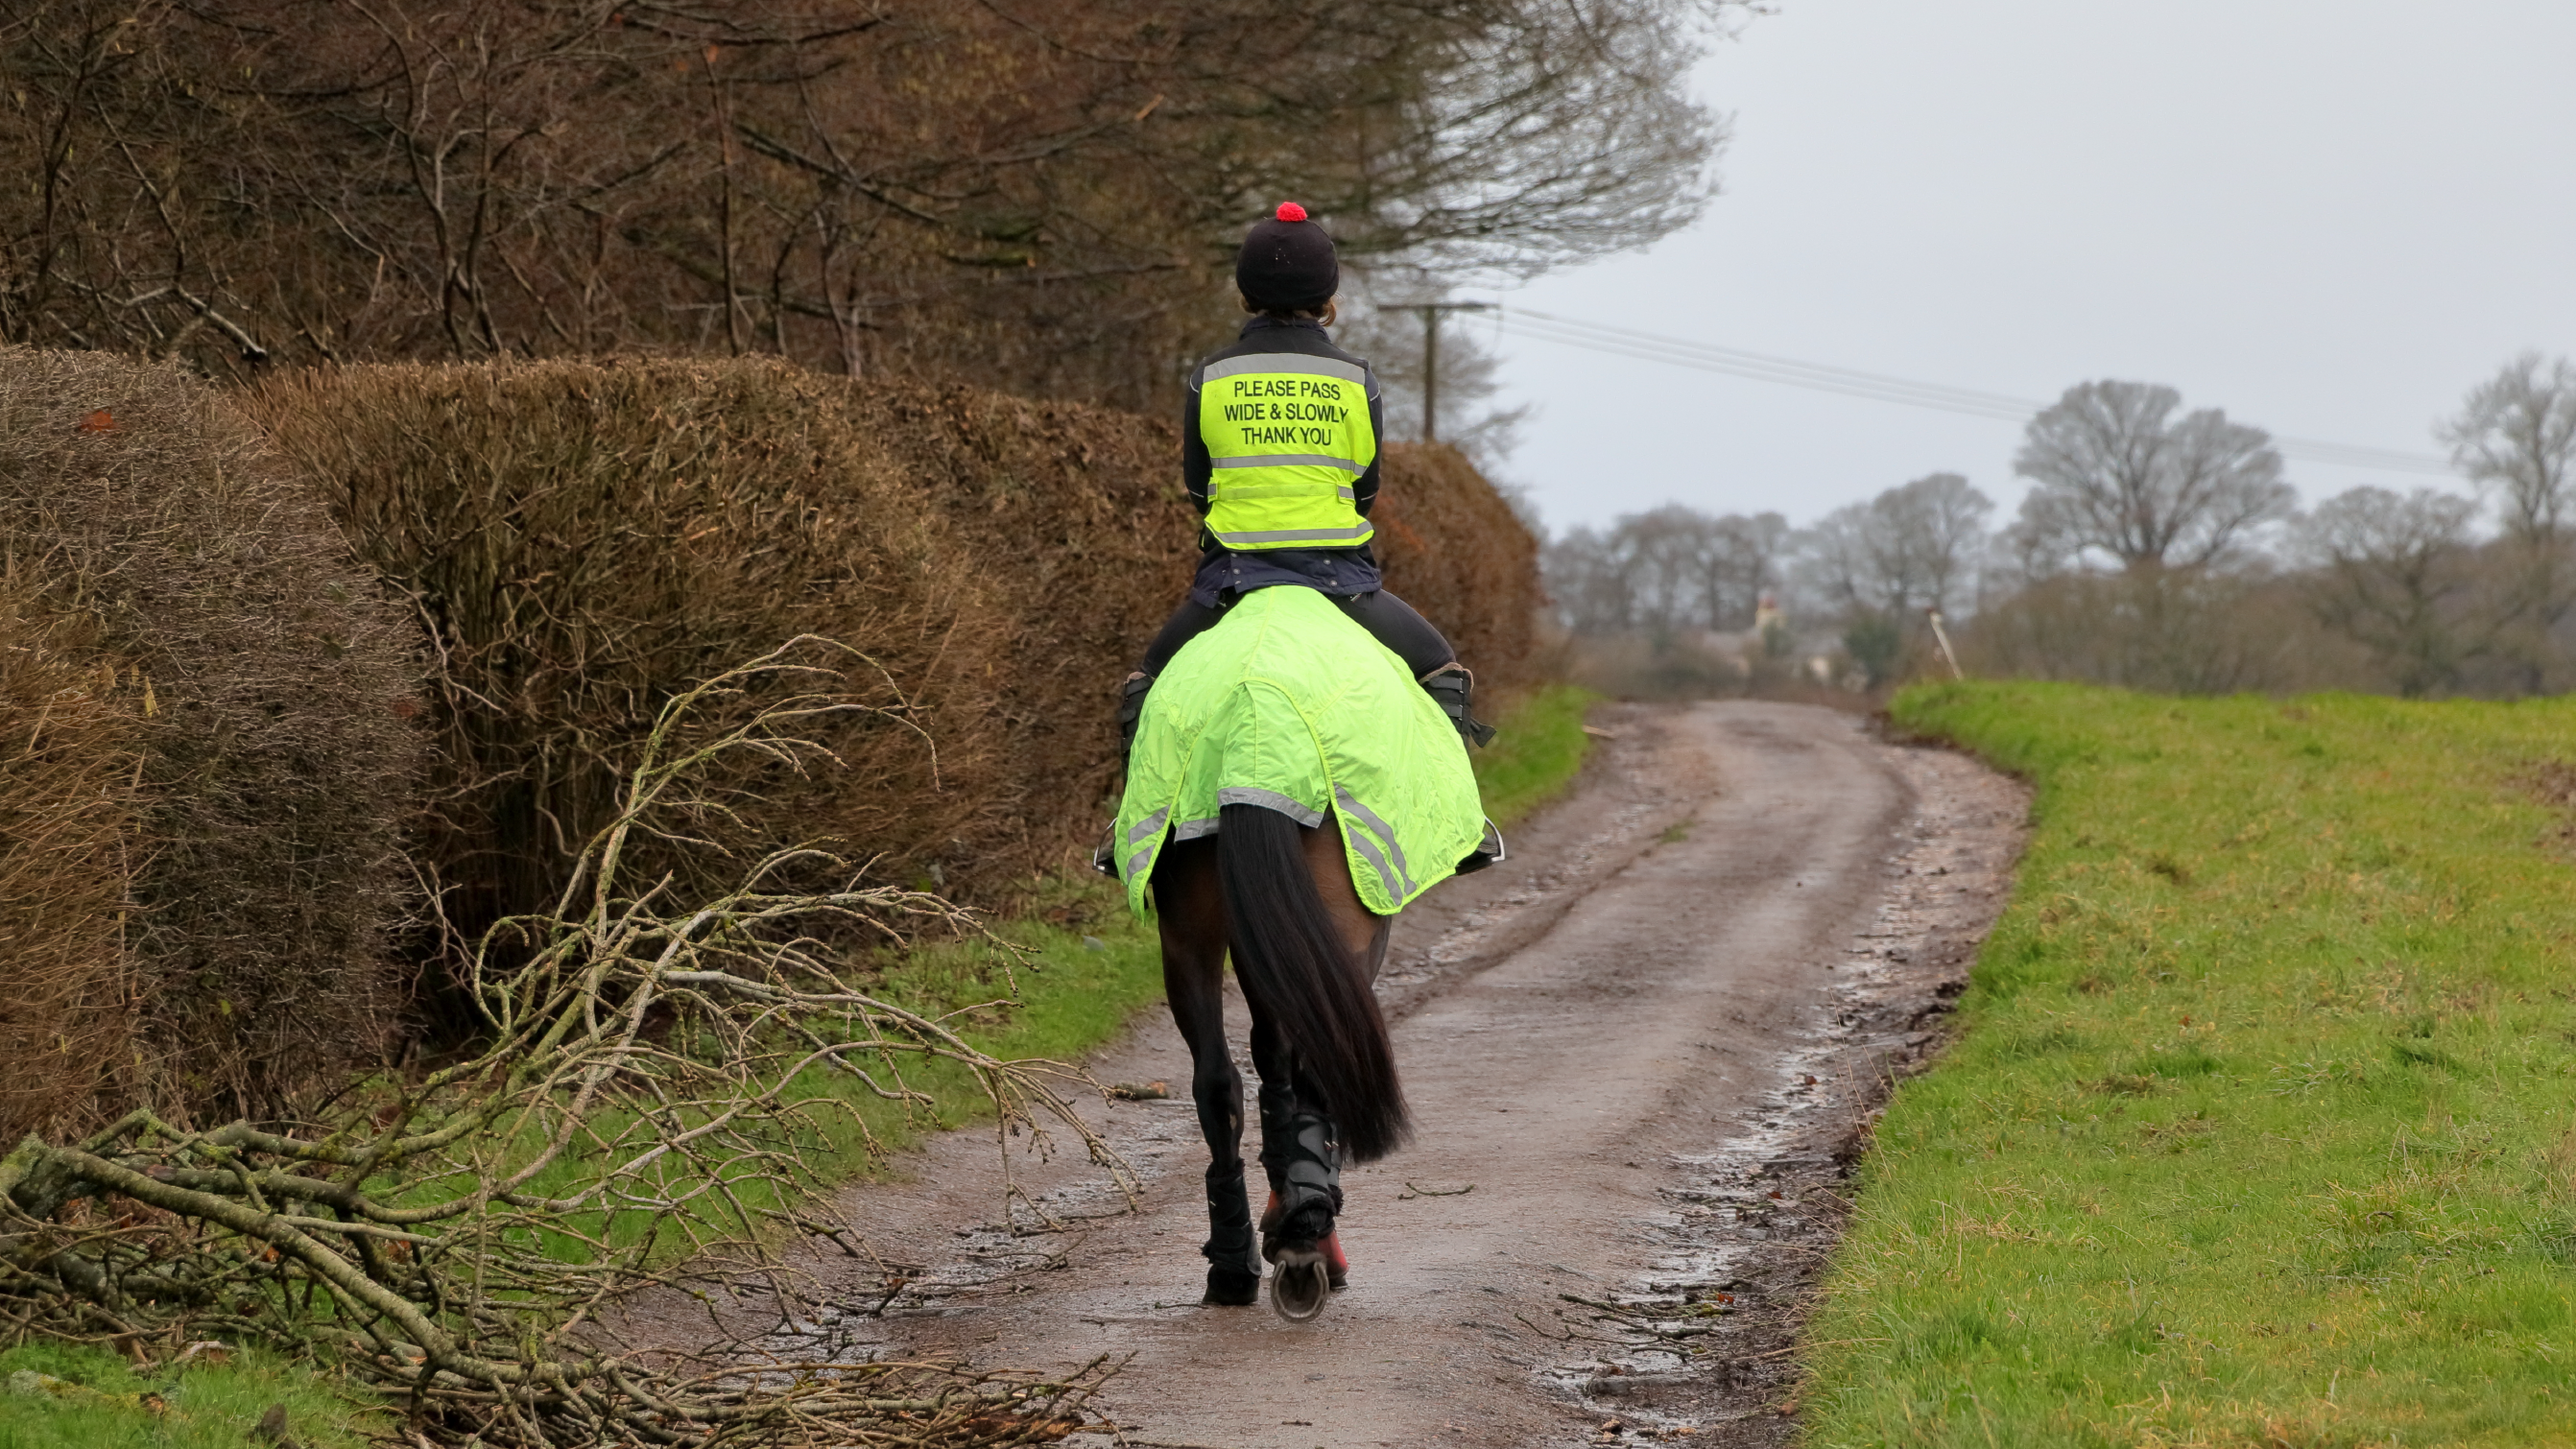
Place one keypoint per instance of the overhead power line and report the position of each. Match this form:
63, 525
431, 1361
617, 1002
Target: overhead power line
1629, 342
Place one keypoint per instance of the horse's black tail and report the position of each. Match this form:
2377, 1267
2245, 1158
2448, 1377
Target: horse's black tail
1293, 964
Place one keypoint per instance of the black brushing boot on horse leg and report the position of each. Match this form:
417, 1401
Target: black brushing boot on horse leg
1302, 1158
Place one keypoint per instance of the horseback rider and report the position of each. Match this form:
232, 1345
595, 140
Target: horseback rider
1280, 453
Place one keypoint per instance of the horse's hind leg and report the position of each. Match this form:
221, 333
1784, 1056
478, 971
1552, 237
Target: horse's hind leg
1300, 1148
1364, 933
1301, 1154
1299, 1151
1192, 915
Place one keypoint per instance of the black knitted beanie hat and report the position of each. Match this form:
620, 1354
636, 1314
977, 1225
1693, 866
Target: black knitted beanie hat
1287, 263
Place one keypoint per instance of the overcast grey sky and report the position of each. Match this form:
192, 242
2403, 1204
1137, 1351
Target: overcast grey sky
2329, 217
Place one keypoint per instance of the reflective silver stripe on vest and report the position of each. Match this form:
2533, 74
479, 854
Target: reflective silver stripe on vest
1297, 535
1194, 829
1270, 800
1149, 825
1342, 491
1292, 460
1138, 861
1287, 362
1365, 816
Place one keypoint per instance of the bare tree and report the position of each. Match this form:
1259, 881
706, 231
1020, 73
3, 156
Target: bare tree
2387, 571
1503, 112
1670, 553
1909, 549
2515, 434
1585, 579
1879, 565
2118, 475
828, 180
1756, 553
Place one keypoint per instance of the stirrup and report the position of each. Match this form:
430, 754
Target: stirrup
1452, 687
1488, 851
1104, 856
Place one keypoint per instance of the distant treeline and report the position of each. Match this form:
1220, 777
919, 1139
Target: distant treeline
2157, 549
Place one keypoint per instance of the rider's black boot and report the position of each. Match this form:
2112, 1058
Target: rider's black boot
1453, 688
1131, 709
1488, 851
1234, 1269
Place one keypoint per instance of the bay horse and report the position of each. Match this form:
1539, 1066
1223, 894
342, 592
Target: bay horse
1290, 789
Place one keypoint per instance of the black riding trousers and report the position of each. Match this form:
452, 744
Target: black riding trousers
1390, 620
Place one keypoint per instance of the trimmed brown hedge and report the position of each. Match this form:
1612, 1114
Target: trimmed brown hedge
1076, 519
68, 839
582, 539
212, 721
154, 538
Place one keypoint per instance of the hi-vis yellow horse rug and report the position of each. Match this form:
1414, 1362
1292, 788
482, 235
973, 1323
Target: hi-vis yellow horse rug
1288, 704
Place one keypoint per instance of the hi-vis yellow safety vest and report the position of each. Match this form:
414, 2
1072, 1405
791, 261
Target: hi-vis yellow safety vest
1288, 434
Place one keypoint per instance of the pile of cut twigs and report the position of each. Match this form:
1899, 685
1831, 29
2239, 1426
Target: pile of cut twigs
642, 1113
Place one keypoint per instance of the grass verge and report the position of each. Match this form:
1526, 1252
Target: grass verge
84, 1398
2259, 1131
1537, 751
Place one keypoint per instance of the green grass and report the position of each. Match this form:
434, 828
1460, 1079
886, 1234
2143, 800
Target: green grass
195, 1407
1534, 757
2259, 1132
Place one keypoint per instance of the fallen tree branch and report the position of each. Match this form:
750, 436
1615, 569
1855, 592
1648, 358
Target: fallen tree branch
642, 1112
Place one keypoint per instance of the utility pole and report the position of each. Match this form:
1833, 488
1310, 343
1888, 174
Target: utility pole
1430, 314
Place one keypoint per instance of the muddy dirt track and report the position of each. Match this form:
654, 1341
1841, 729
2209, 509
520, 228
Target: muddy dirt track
1639, 1056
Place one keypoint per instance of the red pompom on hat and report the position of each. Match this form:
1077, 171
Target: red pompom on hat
1291, 211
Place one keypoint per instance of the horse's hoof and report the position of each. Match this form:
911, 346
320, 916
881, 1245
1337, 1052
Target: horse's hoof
1231, 1288
1337, 1268
1301, 1285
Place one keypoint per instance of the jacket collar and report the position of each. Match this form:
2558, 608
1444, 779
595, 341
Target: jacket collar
1255, 324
